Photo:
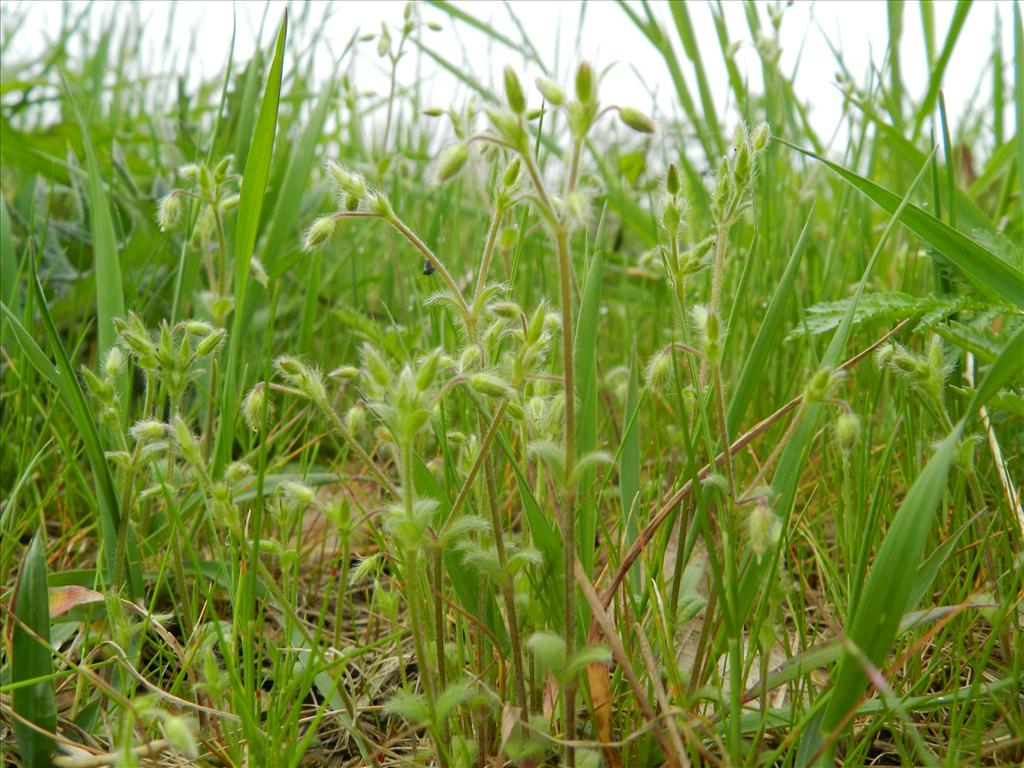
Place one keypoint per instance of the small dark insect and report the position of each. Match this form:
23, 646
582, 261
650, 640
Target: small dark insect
428, 268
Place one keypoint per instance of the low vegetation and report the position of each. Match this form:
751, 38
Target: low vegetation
342, 428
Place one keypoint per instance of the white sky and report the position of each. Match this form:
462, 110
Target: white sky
859, 29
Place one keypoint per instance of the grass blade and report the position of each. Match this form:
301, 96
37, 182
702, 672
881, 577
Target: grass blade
109, 287
257, 169
31, 659
890, 583
982, 268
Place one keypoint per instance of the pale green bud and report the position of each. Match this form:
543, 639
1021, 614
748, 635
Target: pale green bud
514, 91
551, 92
319, 232
511, 173
148, 431
637, 120
114, 363
355, 418
236, 472
584, 83
452, 161
760, 137
299, 493
380, 206
255, 407
847, 431
187, 443
344, 373
170, 211
490, 385
672, 185
428, 370
179, 733
763, 527
658, 375
210, 342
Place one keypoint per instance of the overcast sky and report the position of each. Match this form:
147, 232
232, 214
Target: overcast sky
607, 37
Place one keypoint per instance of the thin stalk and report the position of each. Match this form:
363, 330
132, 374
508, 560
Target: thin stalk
568, 504
507, 587
360, 453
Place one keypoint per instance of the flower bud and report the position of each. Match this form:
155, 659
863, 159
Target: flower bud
672, 180
210, 342
299, 493
187, 443
255, 407
760, 137
489, 385
355, 418
511, 173
514, 91
113, 364
551, 92
170, 212
344, 373
452, 161
584, 83
236, 472
636, 120
319, 232
763, 527
428, 370
147, 431
847, 431
380, 206
659, 371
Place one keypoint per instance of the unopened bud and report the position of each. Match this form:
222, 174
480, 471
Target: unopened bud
551, 92
452, 161
636, 120
514, 91
489, 385
255, 408
147, 431
584, 83
847, 431
170, 212
672, 180
210, 342
319, 232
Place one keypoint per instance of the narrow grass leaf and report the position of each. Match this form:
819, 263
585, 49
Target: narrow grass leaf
890, 583
983, 269
585, 372
254, 184
31, 659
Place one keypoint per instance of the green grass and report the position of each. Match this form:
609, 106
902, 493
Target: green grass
288, 472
